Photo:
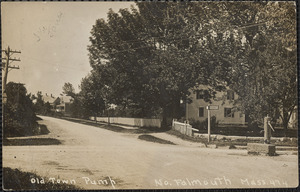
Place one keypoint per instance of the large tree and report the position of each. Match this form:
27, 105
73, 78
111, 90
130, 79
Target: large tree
153, 57
257, 41
68, 89
265, 72
91, 97
156, 53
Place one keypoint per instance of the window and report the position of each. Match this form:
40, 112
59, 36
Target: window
230, 95
241, 115
201, 111
199, 94
228, 112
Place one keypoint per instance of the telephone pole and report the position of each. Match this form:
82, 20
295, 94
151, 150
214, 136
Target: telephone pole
6, 65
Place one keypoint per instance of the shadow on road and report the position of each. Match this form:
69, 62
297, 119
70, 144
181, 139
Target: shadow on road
154, 139
116, 128
30, 141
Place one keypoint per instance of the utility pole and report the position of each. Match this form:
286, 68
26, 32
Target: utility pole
5, 66
8, 60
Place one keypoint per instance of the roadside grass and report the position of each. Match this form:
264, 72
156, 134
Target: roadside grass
231, 143
204, 140
153, 139
286, 142
230, 130
41, 130
14, 179
17, 131
30, 141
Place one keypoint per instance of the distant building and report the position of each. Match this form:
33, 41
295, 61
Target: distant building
53, 101
64, 105
226, 113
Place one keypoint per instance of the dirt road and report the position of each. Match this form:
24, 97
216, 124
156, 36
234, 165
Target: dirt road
95, 158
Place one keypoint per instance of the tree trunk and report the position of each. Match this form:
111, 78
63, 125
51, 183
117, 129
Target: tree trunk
285, 122
164, 123
176, 108
285, 127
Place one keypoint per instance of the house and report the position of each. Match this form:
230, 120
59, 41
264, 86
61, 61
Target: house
64, 105
226, 114
53, 101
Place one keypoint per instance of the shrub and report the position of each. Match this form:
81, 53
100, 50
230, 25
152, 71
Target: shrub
202, 125
19, 114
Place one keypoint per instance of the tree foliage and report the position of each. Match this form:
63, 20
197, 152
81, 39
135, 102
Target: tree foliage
264, 74
68, 89
91, 96
19, 114
151, 56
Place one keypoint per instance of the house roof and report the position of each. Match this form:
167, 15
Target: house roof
47, 98
66, 99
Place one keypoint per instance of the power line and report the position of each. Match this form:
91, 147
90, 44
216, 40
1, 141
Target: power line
174, 39
50, 64
179, 38
8, 59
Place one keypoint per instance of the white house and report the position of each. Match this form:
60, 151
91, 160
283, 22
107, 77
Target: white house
226, 113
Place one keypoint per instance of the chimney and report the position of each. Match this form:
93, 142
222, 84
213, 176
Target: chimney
51, 95
46, 94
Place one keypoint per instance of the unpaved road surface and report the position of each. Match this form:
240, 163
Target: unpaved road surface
95, 158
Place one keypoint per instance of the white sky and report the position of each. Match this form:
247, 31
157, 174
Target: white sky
53, 38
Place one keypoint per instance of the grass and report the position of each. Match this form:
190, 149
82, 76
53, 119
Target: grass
153, 139
40, 130
17, 180
19, 131
249, 132
229, 142
204, 140
31, 141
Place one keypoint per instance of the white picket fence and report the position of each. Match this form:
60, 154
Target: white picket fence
137, 122
183, 128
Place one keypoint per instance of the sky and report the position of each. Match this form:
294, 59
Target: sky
53, 39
